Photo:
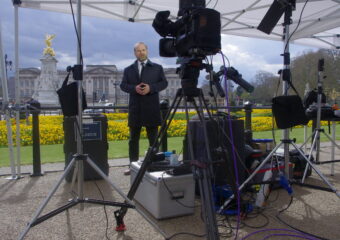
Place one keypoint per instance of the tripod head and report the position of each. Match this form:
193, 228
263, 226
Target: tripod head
189, 71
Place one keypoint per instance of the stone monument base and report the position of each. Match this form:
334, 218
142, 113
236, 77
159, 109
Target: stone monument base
47, 98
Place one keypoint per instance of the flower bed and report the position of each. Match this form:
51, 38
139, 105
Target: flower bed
51, 127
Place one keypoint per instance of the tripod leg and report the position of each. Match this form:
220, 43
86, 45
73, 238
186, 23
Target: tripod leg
127, 200
317, 171
47, 199
74, 176
201, 170
334, 144
332, 139
107, 179
333, 147
306, 141
210, 207
80, 182
315, 139
317, 154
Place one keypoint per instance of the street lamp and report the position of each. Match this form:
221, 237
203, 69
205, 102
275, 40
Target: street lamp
115, 84
8, 64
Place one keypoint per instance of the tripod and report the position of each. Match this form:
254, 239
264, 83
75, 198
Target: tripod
285, 142
200, 168
78, 174
318, 130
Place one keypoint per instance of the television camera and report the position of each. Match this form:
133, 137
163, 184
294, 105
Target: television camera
194, 35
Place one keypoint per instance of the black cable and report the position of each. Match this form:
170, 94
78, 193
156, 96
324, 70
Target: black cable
295, 228
104, 207
255, 213
229, 219
228, 231
260, 226
290, 203
81, 57
185, 233
172, 196
297, 26
77, 34
275, 199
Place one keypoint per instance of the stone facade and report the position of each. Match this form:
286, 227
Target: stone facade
101, 83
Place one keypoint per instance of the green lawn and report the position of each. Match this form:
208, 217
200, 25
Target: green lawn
55, 153
119, 149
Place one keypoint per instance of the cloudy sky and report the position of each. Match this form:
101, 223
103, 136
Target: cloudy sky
111, 42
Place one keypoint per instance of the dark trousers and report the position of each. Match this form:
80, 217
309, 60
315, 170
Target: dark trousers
134, 140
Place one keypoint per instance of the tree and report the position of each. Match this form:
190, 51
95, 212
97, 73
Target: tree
304, 69
266, 85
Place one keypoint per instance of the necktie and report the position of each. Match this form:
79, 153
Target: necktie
141, 71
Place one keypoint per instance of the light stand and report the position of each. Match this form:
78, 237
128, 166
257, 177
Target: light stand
286, 77
318, 130
78, 161
267, 25
5, 109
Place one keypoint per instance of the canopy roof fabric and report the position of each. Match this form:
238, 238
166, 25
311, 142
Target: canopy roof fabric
319, 26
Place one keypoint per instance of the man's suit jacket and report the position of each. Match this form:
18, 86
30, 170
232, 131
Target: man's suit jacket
144, 110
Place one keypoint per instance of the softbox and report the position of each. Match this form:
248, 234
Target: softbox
288, 111
68, 98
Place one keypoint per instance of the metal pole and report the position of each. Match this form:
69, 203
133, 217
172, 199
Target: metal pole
285, 78
80, 112
333, 147
318, 115
164, 111
36, 144
6, 110
17, 90
248, 130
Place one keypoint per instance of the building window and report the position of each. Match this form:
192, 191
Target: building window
101, 86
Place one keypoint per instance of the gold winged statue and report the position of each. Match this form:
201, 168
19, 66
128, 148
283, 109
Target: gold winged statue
48, 50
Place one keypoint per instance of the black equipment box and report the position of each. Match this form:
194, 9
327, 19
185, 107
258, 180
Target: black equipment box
299, 163
221, 150
94, 144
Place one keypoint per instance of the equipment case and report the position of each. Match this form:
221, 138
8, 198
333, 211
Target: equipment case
94, 144
164, 195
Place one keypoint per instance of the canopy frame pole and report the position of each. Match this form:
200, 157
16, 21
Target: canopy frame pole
17, 88
6, 109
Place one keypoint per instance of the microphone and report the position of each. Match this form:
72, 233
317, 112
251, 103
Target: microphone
234, 75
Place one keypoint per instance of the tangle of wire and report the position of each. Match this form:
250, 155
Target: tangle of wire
233, 147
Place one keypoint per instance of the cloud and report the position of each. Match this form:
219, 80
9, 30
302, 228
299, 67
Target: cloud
107, 41
65, 59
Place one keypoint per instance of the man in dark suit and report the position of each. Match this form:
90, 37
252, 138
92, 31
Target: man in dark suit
143, 80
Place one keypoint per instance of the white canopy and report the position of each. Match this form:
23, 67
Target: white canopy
320, 21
